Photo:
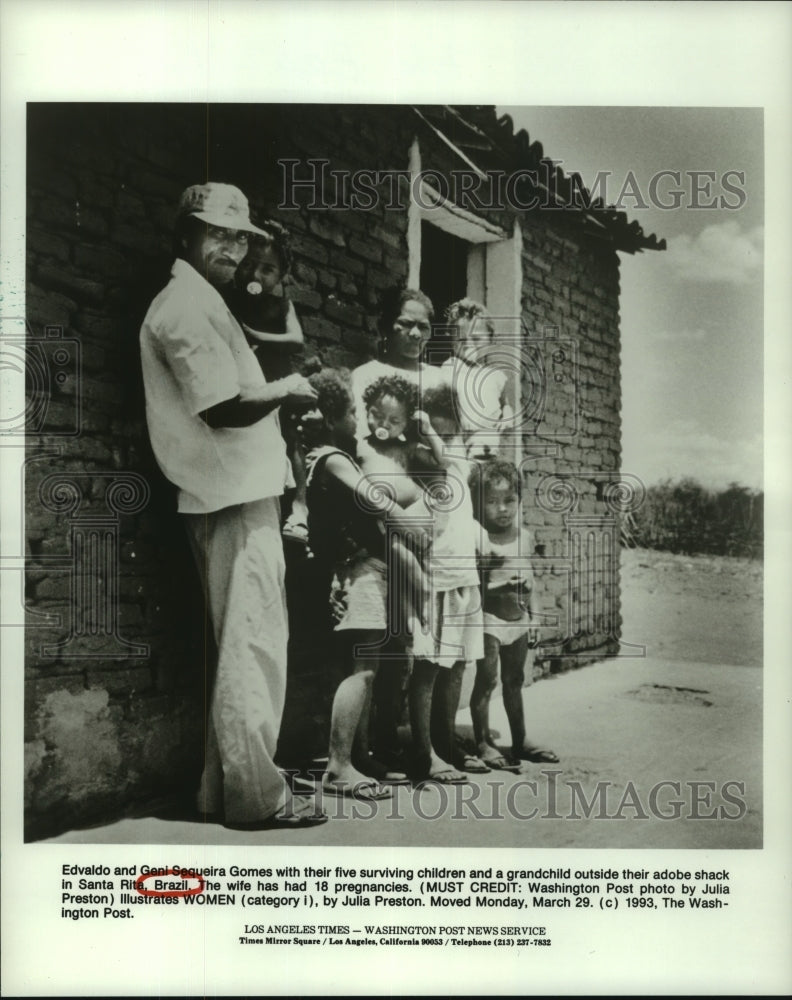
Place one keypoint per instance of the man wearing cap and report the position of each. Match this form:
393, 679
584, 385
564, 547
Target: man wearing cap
213, 422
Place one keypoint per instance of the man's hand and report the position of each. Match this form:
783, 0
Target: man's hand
305, 420
296, 389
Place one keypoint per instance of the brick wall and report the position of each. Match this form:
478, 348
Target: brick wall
115, 694
571, 302
102, 727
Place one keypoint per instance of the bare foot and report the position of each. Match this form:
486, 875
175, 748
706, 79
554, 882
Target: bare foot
497, 760
442, 773
470, 763
351, 783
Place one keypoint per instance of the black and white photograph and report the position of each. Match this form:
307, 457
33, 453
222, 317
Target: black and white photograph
460, 446
394, 508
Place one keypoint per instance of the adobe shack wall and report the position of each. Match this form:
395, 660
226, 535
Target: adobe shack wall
118, 676
103, 727
570, 424
570, 305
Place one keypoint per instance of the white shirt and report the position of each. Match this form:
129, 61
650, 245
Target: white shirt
195, 355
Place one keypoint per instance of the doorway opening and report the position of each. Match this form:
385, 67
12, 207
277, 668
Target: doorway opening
444, 273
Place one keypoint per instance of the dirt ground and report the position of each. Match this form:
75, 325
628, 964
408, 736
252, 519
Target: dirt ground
680, 721
706, 609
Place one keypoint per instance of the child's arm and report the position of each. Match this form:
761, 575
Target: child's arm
417, 591
533, 606
344, 470
292, 339
507, 392
535, 616
431, 436
534, 609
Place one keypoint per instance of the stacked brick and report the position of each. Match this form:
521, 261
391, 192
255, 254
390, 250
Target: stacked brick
103, 727
570, 301
115, 701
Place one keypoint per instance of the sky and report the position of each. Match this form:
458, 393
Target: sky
691, 316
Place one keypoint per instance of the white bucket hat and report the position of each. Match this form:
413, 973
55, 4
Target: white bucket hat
220, 205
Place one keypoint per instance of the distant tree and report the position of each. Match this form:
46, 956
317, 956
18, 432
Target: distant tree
684, 517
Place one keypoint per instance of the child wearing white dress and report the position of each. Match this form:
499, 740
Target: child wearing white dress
455, 617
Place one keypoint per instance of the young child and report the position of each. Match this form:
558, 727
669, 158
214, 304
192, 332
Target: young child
405, 453
455, 635
510, 613
402, 438
390, 405
483, 390
386, 455
259, 302
347, 535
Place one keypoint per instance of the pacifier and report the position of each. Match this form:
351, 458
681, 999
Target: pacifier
381, 434
254, 288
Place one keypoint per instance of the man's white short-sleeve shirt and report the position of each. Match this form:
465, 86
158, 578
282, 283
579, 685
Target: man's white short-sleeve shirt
195, 355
